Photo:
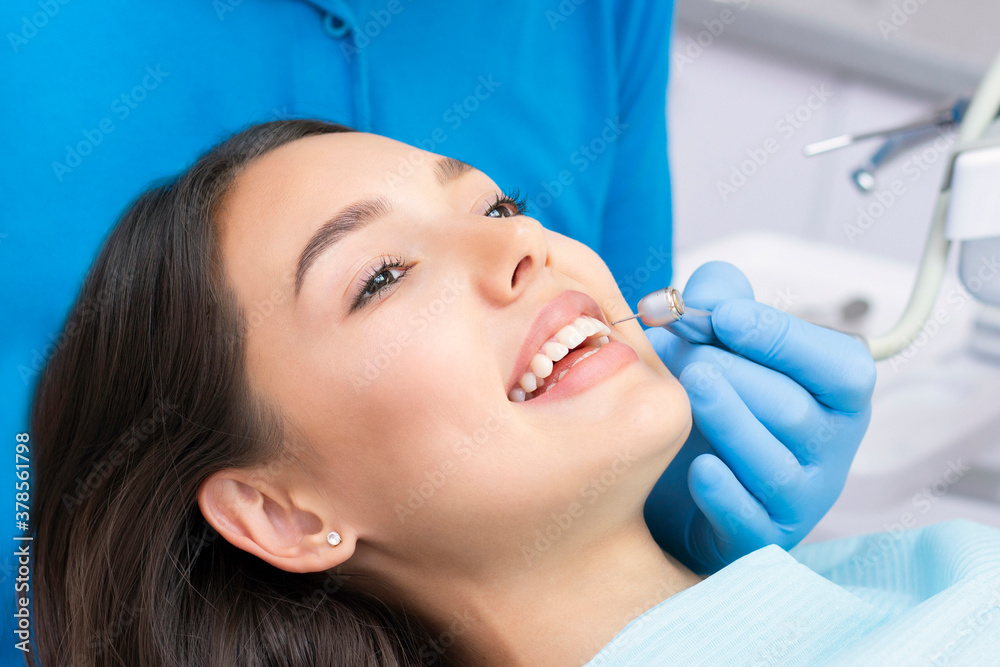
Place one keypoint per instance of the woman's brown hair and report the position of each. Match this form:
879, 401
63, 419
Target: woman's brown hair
144, 398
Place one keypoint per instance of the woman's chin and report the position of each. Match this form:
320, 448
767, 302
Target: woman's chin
638, 410
658, 417
660, 421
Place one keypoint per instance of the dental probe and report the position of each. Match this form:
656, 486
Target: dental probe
665, 308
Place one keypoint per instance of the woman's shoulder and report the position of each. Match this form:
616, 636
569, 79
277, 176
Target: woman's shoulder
938, 587
938, 554
855, 597
764, 607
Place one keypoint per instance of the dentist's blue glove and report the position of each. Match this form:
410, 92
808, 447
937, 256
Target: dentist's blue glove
776, 426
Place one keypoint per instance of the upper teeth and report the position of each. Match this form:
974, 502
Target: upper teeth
554, 349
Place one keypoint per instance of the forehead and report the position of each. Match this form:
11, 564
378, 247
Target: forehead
349, 164
278, 201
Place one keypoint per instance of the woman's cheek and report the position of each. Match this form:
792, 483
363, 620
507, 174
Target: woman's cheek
580, 263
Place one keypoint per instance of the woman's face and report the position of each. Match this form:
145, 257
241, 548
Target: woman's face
421, 303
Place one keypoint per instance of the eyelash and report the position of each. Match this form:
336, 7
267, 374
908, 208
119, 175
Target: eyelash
362, 297
511, 198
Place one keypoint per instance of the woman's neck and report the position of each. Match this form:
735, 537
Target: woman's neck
560, 609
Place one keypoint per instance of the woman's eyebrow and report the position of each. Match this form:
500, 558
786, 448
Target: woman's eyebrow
362, 212
350, 219
447, 169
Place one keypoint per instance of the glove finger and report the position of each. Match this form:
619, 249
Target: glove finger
789, 412
667, 346
810, 430
765, 467
832, 366
739, 523
713, 282
814, 433
681, 354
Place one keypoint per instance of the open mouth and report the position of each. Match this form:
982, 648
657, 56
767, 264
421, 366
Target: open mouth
567, 347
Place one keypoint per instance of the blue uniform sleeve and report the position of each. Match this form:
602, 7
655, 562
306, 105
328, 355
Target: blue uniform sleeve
636, 240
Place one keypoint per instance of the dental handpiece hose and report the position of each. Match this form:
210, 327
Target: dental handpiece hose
665, 308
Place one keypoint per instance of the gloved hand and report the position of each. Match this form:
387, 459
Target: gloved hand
776, 426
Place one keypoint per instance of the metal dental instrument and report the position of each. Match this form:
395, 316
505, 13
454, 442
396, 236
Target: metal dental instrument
665, 308
864, 176
897, 141
944, 118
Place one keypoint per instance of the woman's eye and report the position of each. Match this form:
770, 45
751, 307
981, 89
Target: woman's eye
501, 211
382, 279
507, 206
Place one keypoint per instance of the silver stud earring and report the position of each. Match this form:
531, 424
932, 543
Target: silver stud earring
333, 538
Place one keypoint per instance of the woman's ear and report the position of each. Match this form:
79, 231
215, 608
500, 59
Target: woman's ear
260, 517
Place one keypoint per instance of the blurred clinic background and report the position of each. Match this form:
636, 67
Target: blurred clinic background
755, 81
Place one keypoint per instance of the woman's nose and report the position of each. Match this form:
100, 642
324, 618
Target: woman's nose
510, 255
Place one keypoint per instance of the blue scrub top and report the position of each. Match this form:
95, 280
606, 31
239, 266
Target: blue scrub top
563, 99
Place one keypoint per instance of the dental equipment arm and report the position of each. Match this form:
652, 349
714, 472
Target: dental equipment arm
978, 119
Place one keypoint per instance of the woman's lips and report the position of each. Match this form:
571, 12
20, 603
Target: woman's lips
554, 316
597, 367
558, 354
